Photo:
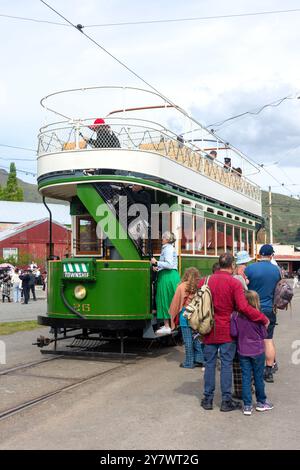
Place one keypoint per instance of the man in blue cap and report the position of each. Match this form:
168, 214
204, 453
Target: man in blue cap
263, 278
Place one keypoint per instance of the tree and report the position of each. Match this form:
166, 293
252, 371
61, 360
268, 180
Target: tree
12, 191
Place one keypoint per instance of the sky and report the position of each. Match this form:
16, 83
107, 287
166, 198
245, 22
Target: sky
215, 69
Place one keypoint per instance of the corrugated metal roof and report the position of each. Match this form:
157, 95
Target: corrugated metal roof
20, 212
18, 228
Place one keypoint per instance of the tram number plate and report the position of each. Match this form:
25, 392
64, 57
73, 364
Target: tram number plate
76, 270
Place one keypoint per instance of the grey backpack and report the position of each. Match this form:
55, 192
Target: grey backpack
200, 311
283, 295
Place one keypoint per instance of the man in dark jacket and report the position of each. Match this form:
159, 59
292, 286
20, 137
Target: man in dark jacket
105, 137
227, 296
25, 278
32, 283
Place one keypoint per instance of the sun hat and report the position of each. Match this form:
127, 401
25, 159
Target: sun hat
242, 257
266, 250
98, 122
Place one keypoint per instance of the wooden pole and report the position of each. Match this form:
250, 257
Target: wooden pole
270, 216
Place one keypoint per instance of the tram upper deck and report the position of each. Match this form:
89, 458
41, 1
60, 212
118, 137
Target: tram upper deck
147, 150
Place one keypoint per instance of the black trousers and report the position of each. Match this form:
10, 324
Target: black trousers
32, 289
26, 291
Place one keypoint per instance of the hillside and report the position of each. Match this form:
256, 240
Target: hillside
30, 191
286, 217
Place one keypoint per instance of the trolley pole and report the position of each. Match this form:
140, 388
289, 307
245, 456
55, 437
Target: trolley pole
270, 216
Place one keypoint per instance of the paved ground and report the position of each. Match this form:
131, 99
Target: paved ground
152, 404
19, 312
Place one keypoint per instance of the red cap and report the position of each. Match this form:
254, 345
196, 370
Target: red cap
97, 123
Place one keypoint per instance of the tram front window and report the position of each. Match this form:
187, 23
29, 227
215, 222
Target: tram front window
87, 242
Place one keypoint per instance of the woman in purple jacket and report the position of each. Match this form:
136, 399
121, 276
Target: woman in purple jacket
250, 346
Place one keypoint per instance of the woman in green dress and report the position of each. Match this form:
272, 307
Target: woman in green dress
168, 279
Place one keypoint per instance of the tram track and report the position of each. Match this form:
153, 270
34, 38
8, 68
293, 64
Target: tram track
35, 401
28, 365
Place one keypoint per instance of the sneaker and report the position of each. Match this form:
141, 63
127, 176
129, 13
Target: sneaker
268, 376
230, 405
275, 367
185, 367
198, 364
207, 403
164, 330
266, 406
247, 410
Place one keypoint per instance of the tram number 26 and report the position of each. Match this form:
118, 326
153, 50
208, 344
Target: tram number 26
82, 307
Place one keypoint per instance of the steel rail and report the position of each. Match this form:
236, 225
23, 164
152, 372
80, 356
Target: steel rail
28, 365
30, 403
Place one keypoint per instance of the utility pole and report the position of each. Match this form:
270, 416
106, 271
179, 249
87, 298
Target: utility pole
270, 216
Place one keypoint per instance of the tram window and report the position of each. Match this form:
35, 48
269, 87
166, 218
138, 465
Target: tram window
229, 216
87, 241
229, 238
187, 233
160, 223
199, 228
244, 240
244, 220
250, 243
237, 240
220, 238
220, 213
209, 209
210, 237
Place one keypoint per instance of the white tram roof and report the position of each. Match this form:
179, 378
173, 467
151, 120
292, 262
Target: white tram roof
157, 139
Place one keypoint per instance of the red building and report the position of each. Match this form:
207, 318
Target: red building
33, 238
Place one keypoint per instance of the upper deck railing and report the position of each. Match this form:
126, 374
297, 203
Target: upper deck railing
121, 130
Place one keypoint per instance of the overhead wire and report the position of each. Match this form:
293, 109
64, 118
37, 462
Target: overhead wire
273, 104
79, 27
166, 20
21, 148
19, 159
27, 172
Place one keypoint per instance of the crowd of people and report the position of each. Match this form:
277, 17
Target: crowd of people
241, 339
18, 284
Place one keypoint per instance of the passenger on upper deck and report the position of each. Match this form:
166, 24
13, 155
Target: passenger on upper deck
238, 171
212, 155
105, 137
227, 164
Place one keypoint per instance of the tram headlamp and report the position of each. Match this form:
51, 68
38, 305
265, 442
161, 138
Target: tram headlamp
80, 292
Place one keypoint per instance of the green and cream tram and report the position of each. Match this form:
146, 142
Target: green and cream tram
105, 282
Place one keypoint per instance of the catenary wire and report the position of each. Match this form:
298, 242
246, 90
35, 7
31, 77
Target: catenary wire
274, 104
166, 20
80, 29
20, 148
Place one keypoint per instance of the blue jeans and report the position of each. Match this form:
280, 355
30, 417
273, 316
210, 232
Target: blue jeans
193, 348
257, 365
227, 353
16, 293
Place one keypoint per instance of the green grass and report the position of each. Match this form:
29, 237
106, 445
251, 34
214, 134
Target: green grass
13, 327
